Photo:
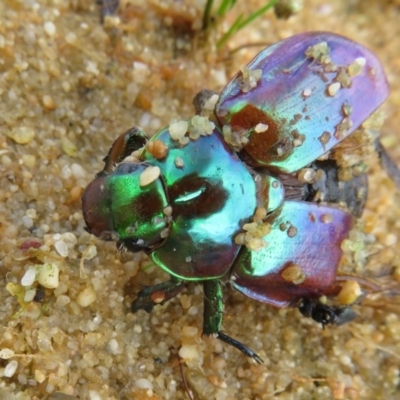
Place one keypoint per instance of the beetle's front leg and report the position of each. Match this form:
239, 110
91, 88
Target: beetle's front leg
213, 312
157, 294
131, 140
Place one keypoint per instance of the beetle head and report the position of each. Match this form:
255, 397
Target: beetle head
124, 207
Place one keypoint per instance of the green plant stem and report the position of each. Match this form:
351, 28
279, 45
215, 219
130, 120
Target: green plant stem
240, 23
207, 13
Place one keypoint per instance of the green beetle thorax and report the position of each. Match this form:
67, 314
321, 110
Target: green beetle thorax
130, 206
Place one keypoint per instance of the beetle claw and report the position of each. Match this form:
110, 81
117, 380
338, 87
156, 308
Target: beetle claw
240, 346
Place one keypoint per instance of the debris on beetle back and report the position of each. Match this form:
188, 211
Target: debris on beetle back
237, 139
255, 231
280, 151
327, 218
318, 51
249, 78
157, 149
294, 273
347, 109
357, 66
261, 128
179, 163
343, 78
307, 175
325, 138
200, 126
177, 130
149, 175
197, 126
342, 128
298, 138
334, 88
260, 214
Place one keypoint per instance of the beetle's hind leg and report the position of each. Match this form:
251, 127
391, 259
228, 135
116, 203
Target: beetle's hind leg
157, 294
213, 312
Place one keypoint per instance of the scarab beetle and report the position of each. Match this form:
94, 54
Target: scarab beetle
218, 198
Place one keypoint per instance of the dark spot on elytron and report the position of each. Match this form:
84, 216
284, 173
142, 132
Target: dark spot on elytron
262, 147
196, 197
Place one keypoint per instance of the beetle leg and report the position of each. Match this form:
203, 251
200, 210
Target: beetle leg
107, 8
325, 314
213, 311
157, 294
131, 140
388, 164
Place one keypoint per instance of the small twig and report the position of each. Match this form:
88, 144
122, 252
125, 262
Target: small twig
374, 345
180, 362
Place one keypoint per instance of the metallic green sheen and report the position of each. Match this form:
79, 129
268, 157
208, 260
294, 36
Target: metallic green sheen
137, 211
303, 234
213, 307
211, 196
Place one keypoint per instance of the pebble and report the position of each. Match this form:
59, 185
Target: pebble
86, 297
10, 369
144, 384
29, 277
49, 28
48, 275
21, 134
188, 352
6, 353
61, 247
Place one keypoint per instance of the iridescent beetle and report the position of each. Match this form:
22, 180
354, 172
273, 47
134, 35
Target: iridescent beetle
211, 201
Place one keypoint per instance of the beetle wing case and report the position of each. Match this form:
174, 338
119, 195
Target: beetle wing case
311, 91
300, 258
